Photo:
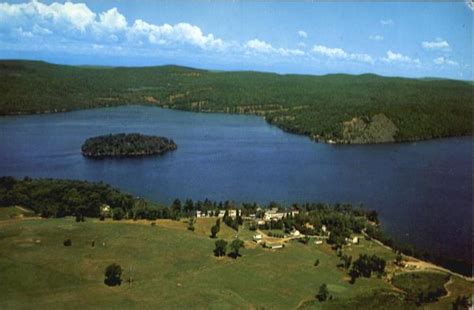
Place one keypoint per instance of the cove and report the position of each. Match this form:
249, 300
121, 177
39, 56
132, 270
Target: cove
422, 190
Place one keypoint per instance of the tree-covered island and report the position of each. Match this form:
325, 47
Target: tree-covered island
125, 145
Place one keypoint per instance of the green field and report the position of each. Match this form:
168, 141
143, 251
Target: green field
343, 108
173, 267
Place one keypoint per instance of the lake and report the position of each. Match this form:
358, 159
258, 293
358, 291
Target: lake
422, 190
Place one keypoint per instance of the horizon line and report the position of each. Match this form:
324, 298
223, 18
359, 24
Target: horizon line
243, 70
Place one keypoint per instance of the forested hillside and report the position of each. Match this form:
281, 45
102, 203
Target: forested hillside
333, 108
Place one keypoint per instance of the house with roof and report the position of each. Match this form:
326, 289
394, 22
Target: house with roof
257, 238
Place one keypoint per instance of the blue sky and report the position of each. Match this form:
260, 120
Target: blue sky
414, 39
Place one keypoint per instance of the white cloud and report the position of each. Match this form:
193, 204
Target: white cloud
443, 60
470, 4
452, 62
302, 34
77, 21
438, 44
112, 20
329, 52
38, 30
290, 52
338, 53
387, 22
259, 46
182, 33
397, 57
376, 37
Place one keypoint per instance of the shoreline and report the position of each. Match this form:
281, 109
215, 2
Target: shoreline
308, 135
428, 265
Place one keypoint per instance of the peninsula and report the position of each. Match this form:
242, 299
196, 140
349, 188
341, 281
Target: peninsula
126, 145
334, 108
320, 255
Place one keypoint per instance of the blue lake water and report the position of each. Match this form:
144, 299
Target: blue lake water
423, 190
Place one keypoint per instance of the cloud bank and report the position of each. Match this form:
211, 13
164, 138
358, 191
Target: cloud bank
338, 53
73, 28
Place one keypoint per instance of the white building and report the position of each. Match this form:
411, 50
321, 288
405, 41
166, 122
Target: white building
274, 245
294, 212
232, 213
295, 233
105, 209
273, 215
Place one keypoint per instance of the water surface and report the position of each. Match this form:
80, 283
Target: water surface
422, 190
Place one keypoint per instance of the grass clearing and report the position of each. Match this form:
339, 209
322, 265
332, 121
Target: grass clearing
172, 267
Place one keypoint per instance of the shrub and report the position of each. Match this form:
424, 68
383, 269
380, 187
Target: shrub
422, 287
113, 275
323, 293
118, 214
214, 231
221, 248
67, 242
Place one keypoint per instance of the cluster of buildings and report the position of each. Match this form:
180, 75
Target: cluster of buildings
270, 215
231, 212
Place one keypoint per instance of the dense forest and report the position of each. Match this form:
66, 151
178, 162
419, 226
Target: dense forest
122, 144
59, 198
335, 108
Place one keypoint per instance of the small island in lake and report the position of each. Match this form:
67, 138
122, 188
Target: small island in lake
125, 145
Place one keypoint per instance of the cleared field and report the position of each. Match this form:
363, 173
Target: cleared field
173, 267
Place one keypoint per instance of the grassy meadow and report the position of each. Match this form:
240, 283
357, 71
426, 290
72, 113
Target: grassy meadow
173, 267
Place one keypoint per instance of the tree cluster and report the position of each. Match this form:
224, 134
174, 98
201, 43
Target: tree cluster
365, 265
60, 198
132, 144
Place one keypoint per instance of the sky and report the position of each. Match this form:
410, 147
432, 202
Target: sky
412, 39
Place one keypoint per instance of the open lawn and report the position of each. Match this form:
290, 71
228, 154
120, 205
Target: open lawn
173, 267
9, 213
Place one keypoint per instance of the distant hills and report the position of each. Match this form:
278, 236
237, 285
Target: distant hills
335, 108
